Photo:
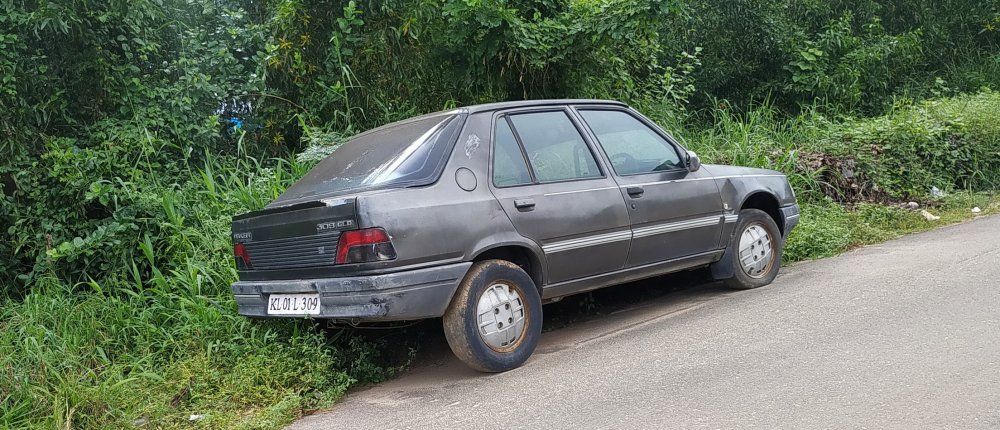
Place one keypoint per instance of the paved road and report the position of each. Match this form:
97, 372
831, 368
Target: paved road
900, 335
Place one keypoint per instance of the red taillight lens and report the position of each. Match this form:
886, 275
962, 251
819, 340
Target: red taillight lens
242, 257
363, 246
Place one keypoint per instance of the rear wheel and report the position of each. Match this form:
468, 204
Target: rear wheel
495, 319
754, 250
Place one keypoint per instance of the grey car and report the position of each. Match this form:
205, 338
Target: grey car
482, 214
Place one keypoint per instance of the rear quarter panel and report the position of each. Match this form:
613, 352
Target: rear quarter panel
444, 223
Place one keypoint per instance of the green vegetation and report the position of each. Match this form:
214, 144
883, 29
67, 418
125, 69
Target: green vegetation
829, 229
133, 130
849, 173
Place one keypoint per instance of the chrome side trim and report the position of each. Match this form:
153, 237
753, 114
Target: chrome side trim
701, 179
653, 230
580, 191
792, 217
744, 176
583, 242
732, 218
675, 226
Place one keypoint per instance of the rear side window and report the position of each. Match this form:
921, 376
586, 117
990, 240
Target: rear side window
555, 148
408, 153
632, 147
509, 168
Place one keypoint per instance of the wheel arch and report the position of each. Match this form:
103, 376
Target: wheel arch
519, 253
724, 269
768, 203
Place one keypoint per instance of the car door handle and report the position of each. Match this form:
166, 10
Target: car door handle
635, 192
524, 204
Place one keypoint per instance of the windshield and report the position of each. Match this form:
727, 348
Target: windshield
404, 153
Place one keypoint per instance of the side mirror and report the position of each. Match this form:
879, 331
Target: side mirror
693, 162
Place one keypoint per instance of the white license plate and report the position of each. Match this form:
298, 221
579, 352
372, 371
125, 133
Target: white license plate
293, 304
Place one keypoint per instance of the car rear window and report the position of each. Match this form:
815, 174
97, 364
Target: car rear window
554, 146
406, 153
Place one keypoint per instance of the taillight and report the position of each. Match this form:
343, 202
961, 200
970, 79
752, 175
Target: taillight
363, 246
242, 257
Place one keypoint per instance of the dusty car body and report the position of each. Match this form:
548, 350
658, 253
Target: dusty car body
481, 214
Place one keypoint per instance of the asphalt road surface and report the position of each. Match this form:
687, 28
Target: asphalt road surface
900, 335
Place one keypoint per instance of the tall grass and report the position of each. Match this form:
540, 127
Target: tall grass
949, 143
759, 137
160, 340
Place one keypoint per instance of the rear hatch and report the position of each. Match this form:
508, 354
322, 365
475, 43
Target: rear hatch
301, 229
293, 237
403, 154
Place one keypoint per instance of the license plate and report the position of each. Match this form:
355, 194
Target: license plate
293, 304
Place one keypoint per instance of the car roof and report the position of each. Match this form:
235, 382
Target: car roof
489, 107
535, 103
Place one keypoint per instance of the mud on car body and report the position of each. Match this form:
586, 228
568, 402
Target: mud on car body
480, 215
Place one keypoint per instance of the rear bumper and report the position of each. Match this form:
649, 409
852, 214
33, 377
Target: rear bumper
407, 295
791, 215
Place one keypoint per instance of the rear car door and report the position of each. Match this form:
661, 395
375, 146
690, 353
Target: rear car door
674, 213
548, 180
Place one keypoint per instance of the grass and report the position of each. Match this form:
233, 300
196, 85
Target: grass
827, 229
106, 361
157, 338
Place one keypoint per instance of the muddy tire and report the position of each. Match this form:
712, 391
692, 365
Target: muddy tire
754, 251
494, 320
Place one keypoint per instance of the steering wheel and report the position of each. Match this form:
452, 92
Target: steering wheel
626, 160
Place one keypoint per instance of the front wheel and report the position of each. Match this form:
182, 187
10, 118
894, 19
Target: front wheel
495, 319
754, 251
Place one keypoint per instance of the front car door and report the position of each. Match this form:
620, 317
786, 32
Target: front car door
547, 178
674, 213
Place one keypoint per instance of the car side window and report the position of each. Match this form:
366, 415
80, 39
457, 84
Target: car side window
555, 148
509, 168
632, 147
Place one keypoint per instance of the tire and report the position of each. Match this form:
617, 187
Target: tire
753, 224
505, 289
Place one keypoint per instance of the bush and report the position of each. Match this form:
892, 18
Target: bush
949, 143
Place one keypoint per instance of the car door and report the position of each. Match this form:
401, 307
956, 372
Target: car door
674, 213
548, 180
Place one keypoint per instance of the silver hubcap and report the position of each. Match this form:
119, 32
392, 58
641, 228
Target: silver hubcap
756, 255
501, 317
